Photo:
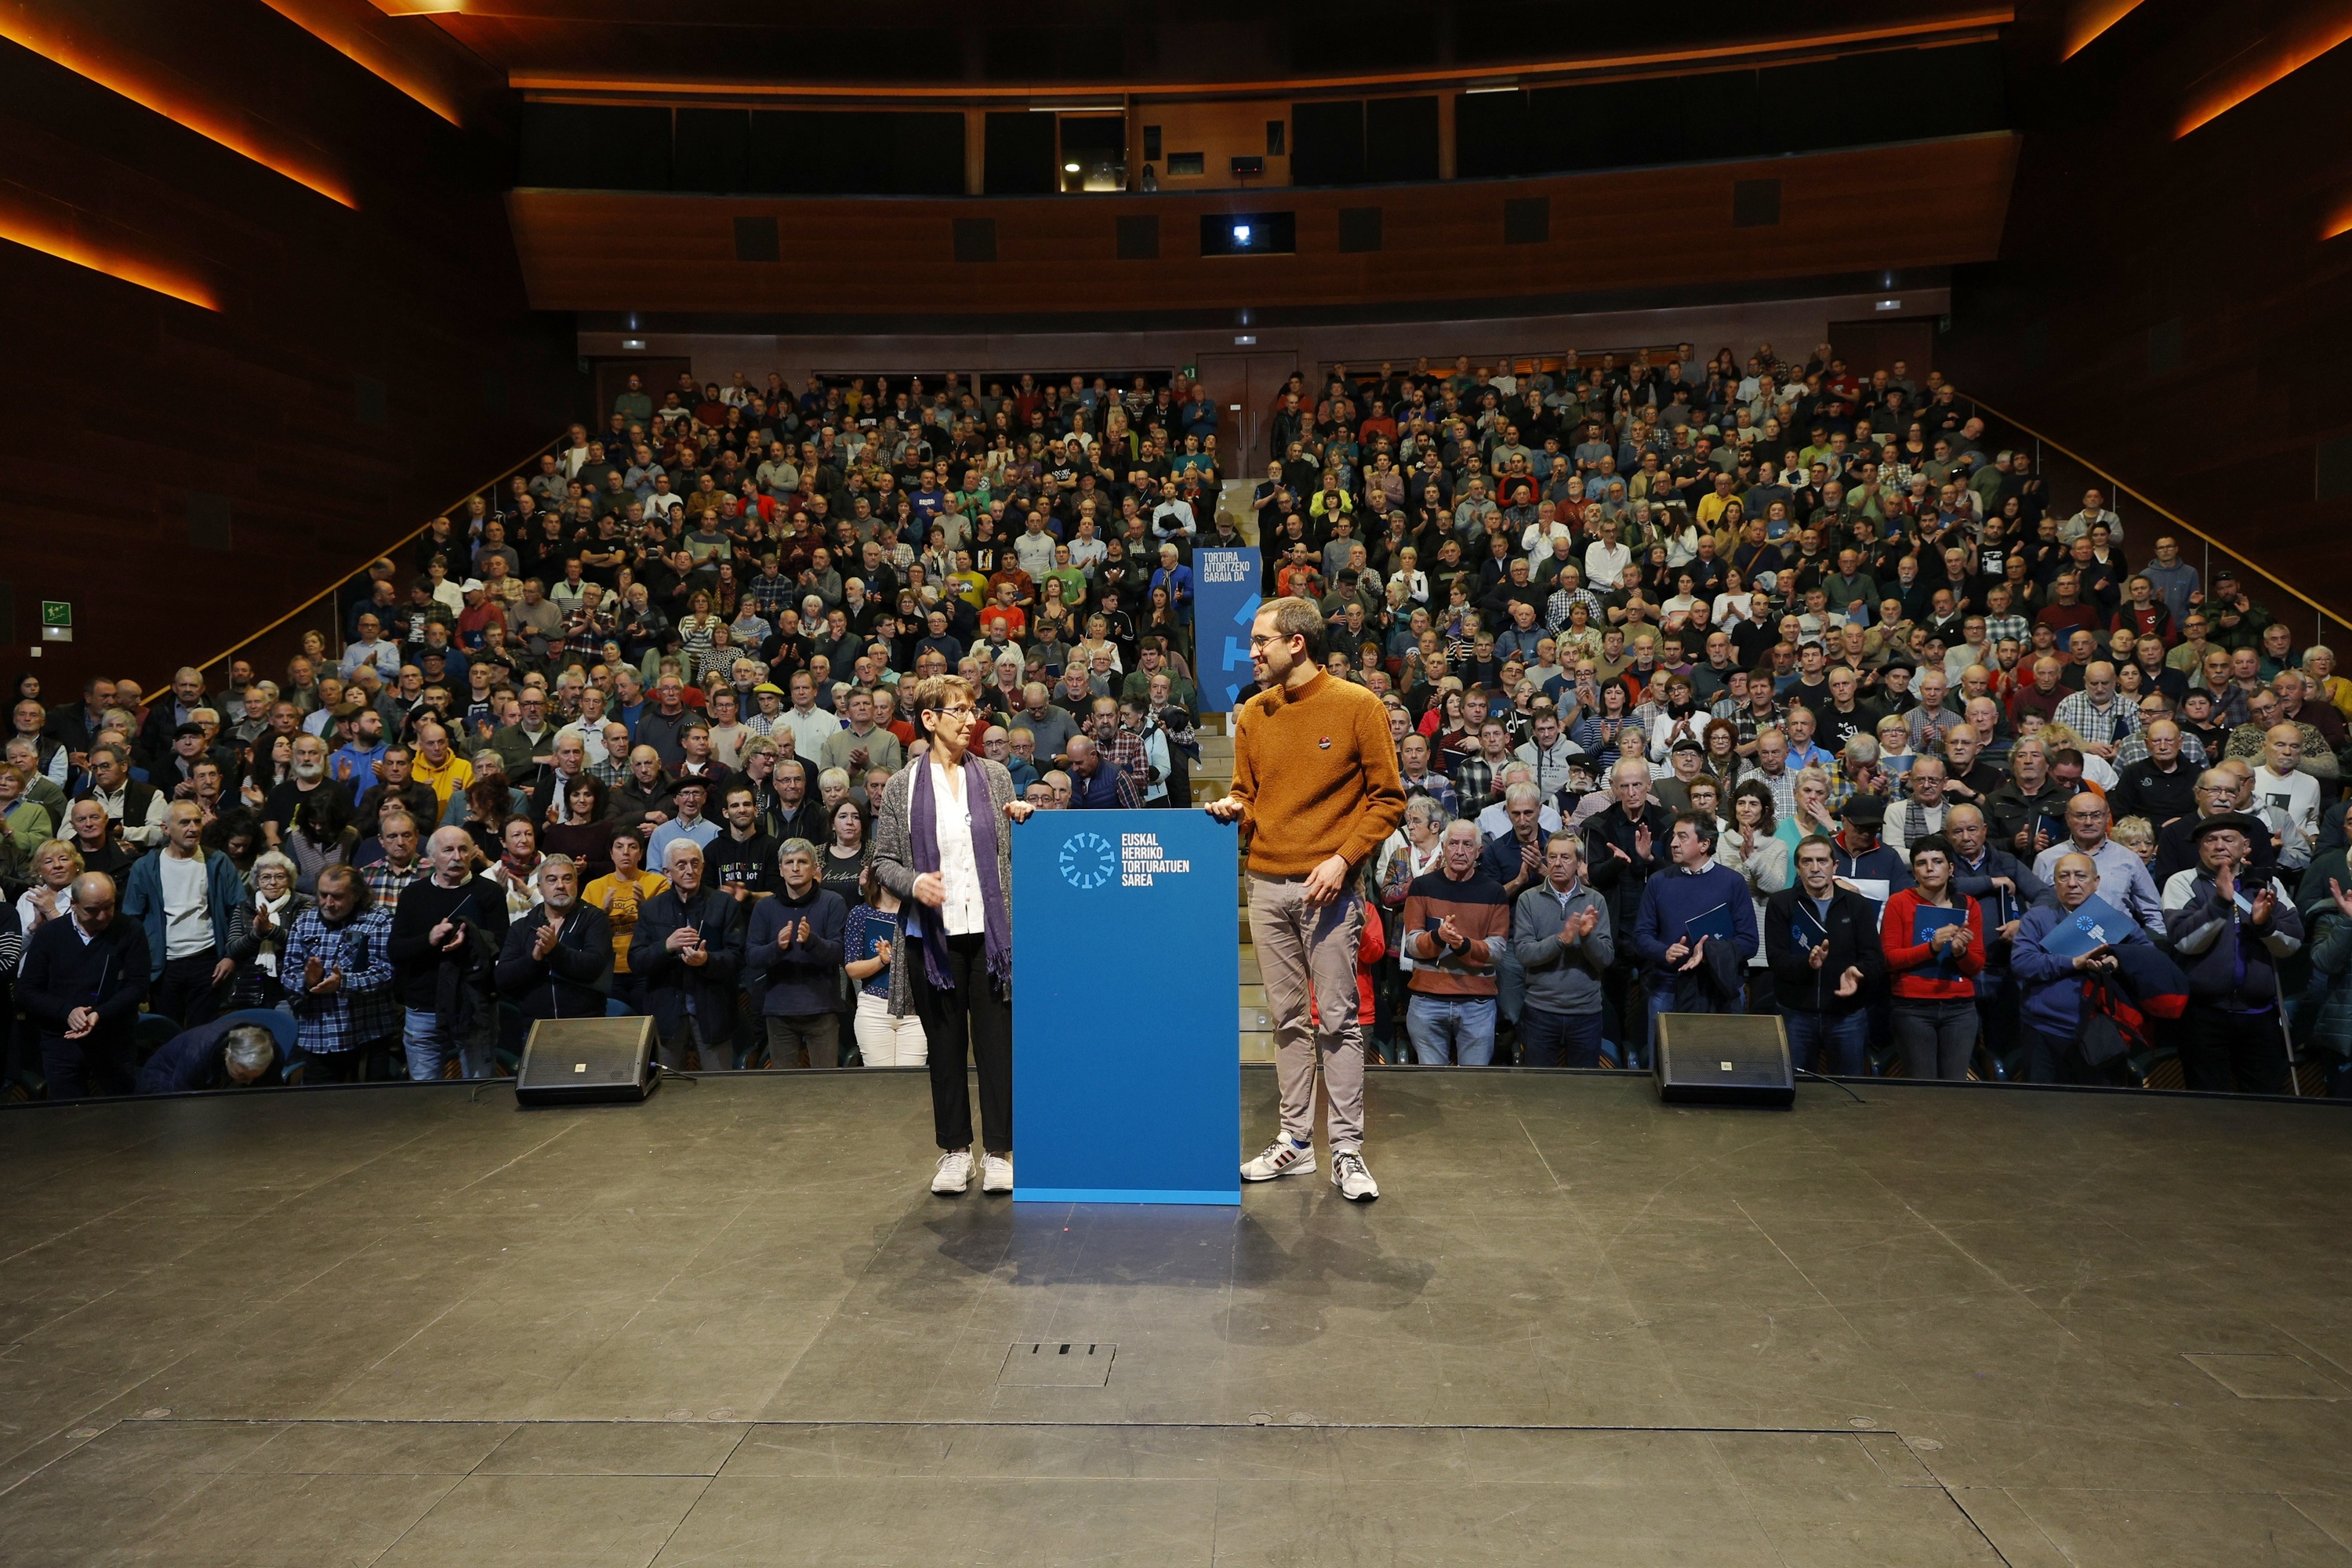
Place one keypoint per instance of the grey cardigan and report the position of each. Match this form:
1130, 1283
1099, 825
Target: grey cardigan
1561, 979
894, 859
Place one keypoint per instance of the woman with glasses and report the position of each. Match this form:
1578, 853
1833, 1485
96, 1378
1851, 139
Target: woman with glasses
942, 844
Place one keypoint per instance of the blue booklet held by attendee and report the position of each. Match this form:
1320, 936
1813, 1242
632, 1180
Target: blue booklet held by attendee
1716, 922
2097, 924
1927, 920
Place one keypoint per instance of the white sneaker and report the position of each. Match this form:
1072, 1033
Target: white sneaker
1354, 1181
995, 1173
954, 1174
1282, 1158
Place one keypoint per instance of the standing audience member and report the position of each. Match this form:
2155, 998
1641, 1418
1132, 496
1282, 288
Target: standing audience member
688, 954
339, 975
1560, 933
793, 956
1933, 937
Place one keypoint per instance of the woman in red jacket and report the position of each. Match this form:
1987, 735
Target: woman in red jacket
1933, 937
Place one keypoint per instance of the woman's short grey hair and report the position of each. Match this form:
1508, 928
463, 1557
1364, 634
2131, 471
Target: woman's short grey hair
833, 776
1425, 806
280, 860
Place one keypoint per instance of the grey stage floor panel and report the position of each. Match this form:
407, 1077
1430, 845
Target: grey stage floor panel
411, 1325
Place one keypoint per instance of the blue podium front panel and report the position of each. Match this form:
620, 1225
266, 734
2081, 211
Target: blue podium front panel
1126, 1008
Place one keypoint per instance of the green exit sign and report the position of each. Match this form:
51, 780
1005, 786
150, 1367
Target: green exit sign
55, 612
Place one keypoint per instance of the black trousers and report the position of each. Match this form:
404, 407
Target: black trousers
98, 1063
2234, 1053
183, 992
335, 1067
2049, 1059
971, 1021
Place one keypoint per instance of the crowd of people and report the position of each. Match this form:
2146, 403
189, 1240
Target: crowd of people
1642, 626
1771, 685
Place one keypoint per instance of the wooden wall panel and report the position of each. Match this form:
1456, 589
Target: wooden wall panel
1221, 132
2168, 306
1920, 204
142, 399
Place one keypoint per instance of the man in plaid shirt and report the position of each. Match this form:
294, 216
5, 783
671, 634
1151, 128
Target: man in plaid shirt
1474, 776
1770, 765
337, 969
399, 835
2097, 713
1124, 747
772, 591
2001, 624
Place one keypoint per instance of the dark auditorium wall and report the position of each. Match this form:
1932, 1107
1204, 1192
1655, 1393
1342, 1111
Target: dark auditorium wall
2166, 305
183, 475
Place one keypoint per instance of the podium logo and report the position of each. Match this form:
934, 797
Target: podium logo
1087, 861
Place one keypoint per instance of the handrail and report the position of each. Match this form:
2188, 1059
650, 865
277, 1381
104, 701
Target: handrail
230, 651
2174, 518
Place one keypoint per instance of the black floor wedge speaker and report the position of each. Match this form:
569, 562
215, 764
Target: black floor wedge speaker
1724, 1059
586, 1061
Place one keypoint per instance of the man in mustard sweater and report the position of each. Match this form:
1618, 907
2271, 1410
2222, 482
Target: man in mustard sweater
1315, 781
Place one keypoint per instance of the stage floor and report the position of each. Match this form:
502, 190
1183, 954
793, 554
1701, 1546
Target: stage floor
412, 1326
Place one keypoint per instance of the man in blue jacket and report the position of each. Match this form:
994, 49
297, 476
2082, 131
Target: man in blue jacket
234, 1052
181, 898
2051, 1012
2229, 927
795, 953
1683, 971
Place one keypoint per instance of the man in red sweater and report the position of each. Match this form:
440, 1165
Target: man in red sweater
1315, 781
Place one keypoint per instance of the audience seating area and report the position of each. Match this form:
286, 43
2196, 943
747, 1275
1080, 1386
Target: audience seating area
1771, 598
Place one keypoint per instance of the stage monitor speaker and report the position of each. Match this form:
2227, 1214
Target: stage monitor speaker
586, 1061
1724, 1059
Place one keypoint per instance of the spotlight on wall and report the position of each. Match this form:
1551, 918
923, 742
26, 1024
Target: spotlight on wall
633, 344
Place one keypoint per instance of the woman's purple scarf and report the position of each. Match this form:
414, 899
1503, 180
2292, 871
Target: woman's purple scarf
923, 844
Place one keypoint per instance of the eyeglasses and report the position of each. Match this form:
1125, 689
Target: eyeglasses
960, 711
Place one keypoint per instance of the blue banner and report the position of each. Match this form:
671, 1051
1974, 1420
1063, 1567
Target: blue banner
1126, 1008
1224, 603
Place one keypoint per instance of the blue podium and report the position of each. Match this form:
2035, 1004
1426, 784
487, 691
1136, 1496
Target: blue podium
1126, 1008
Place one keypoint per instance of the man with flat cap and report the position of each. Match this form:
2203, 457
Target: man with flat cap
2228, 926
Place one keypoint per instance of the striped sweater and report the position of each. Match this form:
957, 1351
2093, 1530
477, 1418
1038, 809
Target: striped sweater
1479, 909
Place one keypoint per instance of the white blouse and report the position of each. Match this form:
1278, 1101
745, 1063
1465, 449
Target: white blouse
962, 914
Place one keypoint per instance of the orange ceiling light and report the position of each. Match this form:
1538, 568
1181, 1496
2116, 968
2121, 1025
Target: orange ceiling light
2286, 52
342, 27
2338, 223
153, 85
2089, 18
55, 229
